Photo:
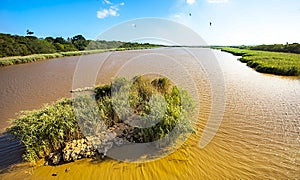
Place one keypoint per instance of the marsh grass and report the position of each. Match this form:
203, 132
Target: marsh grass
48, 129
6, 61
45, 130
278, 63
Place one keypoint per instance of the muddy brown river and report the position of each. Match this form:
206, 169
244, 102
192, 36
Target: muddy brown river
259, 137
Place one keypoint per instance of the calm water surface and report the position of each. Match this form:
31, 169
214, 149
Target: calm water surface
259, 136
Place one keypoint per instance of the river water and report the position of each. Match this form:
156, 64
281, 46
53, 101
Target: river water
259, 136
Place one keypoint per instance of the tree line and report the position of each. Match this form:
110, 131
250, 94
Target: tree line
15, 45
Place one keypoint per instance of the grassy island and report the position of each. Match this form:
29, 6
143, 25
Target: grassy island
278, 63
56, 127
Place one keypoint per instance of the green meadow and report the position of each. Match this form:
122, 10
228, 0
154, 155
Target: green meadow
278, 63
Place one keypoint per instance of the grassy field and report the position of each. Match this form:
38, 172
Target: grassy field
7, 61
286, 64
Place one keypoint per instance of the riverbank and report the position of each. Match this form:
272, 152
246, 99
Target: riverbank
278, 63
12, 60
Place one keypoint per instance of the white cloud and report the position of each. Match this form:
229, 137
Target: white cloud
217, 1
190, 1
111, 11
102, 14
177, 16
107, 2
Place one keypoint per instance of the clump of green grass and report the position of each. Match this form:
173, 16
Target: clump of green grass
287, 64
48, 129
179, 106
6, 61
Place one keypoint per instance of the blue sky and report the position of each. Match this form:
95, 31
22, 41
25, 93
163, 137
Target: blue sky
234, 22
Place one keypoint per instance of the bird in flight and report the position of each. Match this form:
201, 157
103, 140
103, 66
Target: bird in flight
210, 23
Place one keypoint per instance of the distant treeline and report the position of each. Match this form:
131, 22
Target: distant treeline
14, 45
289, 48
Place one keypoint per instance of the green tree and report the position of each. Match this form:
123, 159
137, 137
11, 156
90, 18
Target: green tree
79, 42
50, 39
60, 40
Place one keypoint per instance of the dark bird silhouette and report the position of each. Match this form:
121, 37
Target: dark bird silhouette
190, 14
210, 23
29, 32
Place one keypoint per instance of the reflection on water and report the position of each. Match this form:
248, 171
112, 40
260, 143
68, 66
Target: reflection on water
259, 136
